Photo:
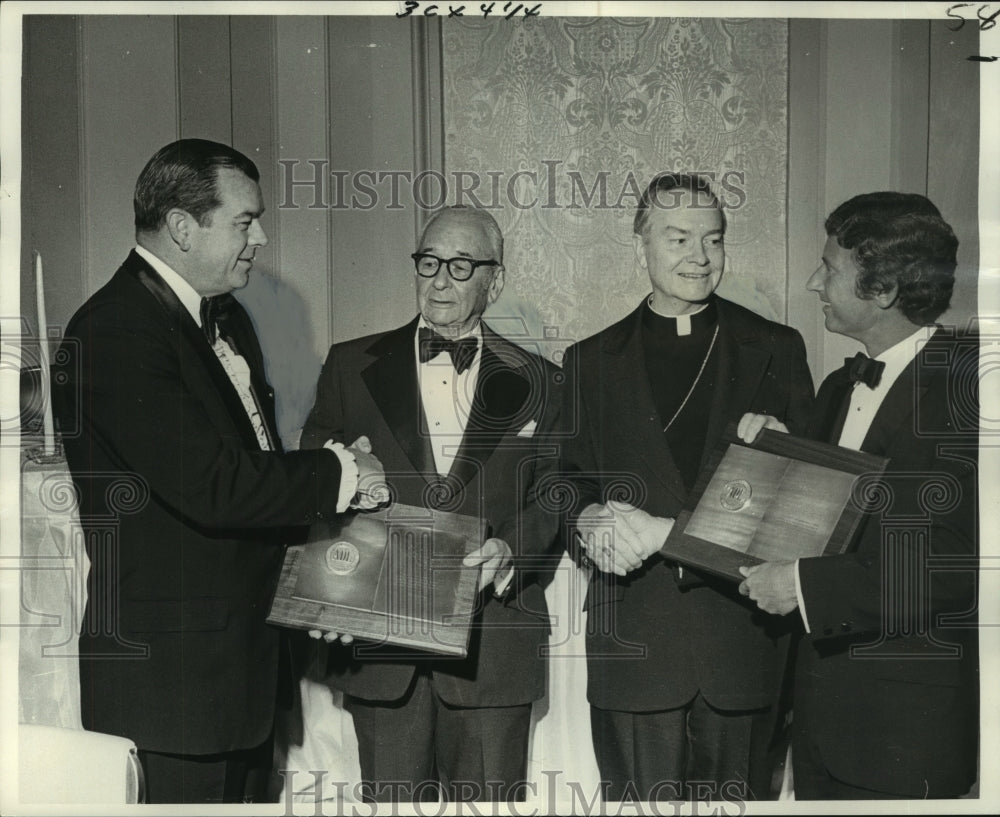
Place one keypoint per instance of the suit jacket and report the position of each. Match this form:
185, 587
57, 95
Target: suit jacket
369, 386
185, 519
887, 680
653, 642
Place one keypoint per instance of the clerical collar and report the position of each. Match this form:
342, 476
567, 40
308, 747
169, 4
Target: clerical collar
682, 325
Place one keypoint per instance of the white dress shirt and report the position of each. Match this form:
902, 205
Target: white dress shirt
446, 397
238, 372
864, 405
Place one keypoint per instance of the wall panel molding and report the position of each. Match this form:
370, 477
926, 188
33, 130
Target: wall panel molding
910, 105
859, 89
129, 110
52, 183
371, 132
806, 178
953, 151
428, 109
255, 118
205, 78
300, 92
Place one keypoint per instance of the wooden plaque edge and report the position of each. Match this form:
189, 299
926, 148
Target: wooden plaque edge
450, 638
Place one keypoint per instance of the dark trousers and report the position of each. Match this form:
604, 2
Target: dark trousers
693, 752
811, 780
229, 777
420, 749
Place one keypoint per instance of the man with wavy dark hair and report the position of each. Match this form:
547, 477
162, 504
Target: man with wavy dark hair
899, 240
886, 680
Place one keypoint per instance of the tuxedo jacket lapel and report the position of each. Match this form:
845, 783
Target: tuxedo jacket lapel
830, 407
501, 395
391, 380
899, 405
193, 344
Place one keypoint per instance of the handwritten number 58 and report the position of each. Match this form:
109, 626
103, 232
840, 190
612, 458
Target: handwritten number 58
985, 22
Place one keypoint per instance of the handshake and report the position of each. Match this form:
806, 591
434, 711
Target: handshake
617, 537
372, 489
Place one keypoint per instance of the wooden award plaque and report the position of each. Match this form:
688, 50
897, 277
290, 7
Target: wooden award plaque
393, 576
780, 498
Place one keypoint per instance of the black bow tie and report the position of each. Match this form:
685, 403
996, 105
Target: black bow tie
462, 351
214, 312
863, 369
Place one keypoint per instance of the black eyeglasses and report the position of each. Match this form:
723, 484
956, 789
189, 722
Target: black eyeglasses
460, 269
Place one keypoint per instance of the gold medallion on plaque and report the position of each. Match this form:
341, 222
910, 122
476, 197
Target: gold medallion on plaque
735, 494
342, 558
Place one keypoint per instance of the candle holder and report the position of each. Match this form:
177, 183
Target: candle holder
38, 455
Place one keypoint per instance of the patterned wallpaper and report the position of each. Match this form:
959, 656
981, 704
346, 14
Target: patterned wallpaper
545, 111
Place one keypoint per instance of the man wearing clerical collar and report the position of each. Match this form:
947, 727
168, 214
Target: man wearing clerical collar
682, 672
463, 421
886, 691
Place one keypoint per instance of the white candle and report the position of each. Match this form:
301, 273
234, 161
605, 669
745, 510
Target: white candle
43, 347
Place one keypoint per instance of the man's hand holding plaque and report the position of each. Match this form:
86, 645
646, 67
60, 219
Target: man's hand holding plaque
751, 425
495, 557
771, 584
345, 638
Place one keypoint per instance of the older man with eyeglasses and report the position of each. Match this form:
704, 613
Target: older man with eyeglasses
462, 420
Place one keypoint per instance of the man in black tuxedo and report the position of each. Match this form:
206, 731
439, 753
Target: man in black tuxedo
682, 672
886, 691
170, 436
463, 420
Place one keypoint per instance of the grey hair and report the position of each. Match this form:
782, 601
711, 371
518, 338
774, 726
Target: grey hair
482, 217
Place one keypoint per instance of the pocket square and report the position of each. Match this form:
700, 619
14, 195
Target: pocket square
528, 430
